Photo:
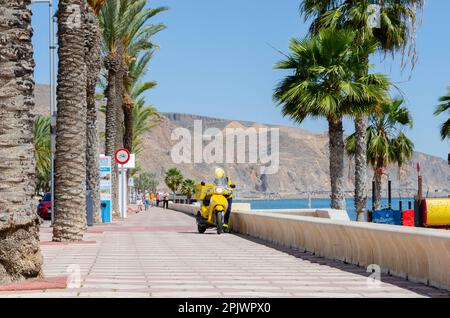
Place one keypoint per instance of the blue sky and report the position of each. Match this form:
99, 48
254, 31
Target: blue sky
216, 59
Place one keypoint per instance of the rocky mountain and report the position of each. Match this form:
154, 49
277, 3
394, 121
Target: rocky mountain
303, 158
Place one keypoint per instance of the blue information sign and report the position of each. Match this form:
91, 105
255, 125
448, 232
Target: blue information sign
105, 188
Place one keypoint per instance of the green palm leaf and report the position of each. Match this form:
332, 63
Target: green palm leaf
441, 109
41, 133
386, 141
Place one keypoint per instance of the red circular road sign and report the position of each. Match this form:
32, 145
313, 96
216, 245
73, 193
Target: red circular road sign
122, 156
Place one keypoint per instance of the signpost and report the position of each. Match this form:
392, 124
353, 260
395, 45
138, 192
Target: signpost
125, 160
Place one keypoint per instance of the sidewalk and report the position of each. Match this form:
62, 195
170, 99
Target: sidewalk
159, 254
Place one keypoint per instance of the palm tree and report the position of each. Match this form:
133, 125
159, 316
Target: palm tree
70, 162
124, 35
188, 188
173, 179
41, 133
386, 141
20, 256
93, 64
395, 32
324, 84
442, 108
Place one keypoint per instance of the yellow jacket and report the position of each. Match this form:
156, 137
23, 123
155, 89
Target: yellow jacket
229, 183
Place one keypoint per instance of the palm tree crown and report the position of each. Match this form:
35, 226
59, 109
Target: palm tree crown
173, 179
386, 140
323, 83
441, 109
397, 21
188, 188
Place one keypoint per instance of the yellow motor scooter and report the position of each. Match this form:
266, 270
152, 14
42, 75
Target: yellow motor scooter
214, 205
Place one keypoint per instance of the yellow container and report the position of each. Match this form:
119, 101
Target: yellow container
436, 212
201, 191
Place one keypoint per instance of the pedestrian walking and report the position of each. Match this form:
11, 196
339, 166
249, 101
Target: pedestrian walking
147, 201
152, 198
140, 203
165, 200
157, 199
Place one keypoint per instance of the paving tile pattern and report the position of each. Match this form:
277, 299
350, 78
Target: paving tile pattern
159, 254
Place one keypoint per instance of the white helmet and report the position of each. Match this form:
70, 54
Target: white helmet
219, 173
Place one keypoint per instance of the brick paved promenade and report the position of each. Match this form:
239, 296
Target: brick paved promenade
160, 254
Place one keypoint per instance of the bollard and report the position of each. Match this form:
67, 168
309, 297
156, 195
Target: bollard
89, 209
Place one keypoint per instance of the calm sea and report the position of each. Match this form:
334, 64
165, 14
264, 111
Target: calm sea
317, 203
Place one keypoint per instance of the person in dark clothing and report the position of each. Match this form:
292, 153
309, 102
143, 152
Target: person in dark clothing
165, 200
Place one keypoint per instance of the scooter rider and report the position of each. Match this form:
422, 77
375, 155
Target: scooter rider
221, 180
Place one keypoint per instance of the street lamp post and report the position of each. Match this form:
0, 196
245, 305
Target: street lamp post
53, 104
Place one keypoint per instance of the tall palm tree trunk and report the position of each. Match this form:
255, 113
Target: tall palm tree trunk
377, 200
128, 125
93, 61
119, 102
128, 120
337, 150
361, 155
20, 256
112, 64
360, 166
70, 163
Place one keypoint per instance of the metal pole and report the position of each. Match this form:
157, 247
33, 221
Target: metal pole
420, 192
125, 193
52, 109
52, 80
390, 194
122, 190
119, 179
373, 196
309, 200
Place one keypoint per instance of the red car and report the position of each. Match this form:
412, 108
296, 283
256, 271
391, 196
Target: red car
44, 208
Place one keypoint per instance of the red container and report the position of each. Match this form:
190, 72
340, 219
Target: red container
408, 218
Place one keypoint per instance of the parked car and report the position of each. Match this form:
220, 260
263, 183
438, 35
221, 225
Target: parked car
44, 208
